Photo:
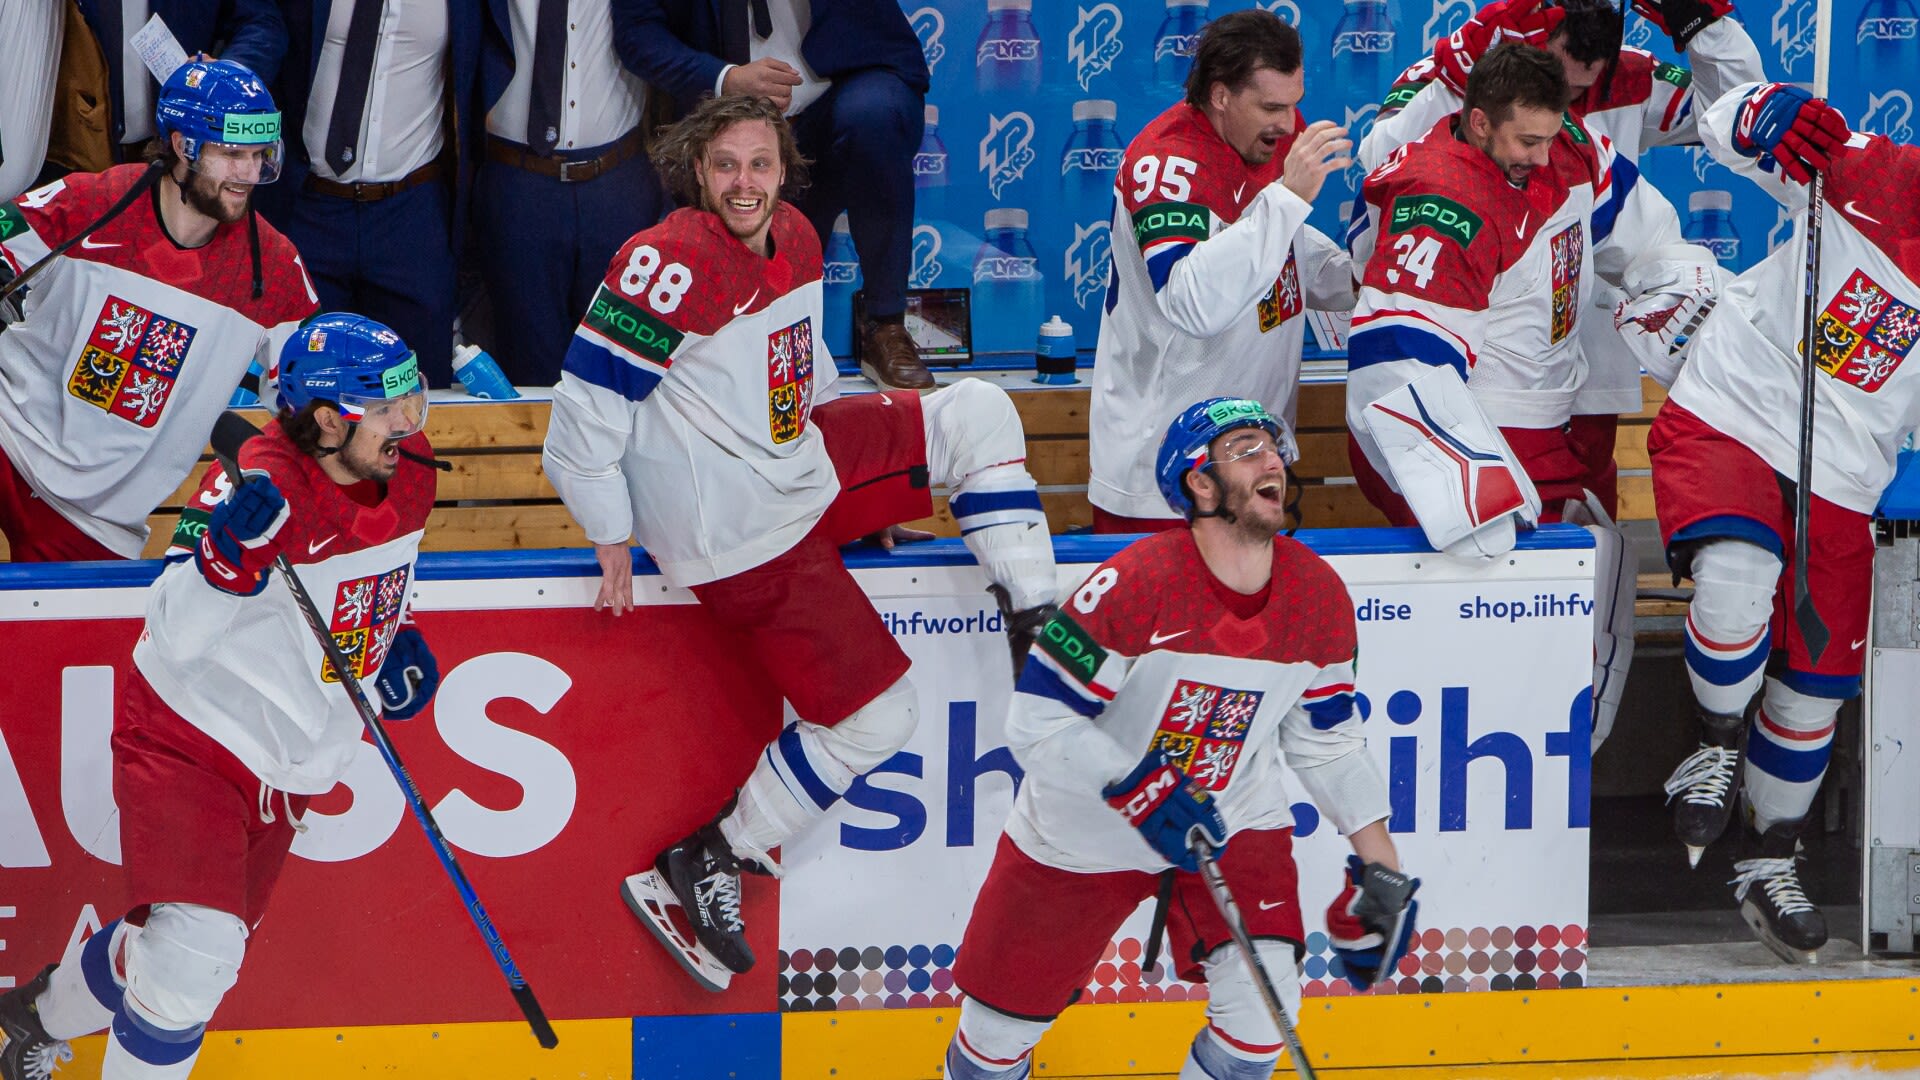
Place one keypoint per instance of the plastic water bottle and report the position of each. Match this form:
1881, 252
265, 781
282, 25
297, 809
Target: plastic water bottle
1879, 88
839, 280
1710, 224
1173, 46
1055, 357
1361, 64
930, 172
480, 375
1008, 292
244, 398
1007, 60
1090, 162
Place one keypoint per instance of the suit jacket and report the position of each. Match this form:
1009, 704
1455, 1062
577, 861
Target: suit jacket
675, 44
245, 31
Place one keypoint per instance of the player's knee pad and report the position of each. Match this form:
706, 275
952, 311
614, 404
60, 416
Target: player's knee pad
1238, 1022
1787, 753
809, 766
1726, 634
991, 1045
181, 964
971, 425
872, 734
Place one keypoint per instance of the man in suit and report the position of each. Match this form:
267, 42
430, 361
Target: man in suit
247, 32
850, 77
384, 112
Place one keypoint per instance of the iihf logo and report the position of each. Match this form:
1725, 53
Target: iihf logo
1287, 10
929, 26
1089, 259
1007, 150
1793, 31
1095, 42
1448, 16
926, 257
1889, 114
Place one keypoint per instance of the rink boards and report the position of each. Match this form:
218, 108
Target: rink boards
566, 746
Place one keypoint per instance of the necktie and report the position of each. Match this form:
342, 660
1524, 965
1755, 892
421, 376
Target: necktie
549, 76
356, 77
734, 44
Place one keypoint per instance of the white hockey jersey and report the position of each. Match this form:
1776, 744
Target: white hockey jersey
1214, 268
130, 348
682, 411
1743, 373
1153, 652
247, 670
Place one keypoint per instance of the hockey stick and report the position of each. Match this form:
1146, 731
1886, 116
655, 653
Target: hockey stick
1813, 630
1230, 914
229, 433
140, 186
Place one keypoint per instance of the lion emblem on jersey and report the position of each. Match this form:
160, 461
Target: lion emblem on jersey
1865, 333
789, 380
130, 362
1282, 302
1204, 729
366, 616
1568, 248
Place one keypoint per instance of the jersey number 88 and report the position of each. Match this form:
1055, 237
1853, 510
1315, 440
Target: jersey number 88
667, 291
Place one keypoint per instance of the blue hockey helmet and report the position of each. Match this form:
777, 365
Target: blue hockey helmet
223, 104
359, 366
1190, 437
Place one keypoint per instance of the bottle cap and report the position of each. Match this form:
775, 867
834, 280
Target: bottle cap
1056, 327
1006, 218
1009, 5
840, 223
933, 114
1171, 4
1094, 109
1709, 200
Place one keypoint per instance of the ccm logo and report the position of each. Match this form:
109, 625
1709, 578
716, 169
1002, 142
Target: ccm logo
1145, 799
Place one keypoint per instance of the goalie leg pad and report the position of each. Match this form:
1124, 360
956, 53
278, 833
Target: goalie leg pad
1727, 621
991, 1045
1787, 753
1240, 1036
1615, 587
1451, 463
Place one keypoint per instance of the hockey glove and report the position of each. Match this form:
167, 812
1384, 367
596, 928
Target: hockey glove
408, 677
1531, 21
1681, 19
1371, 922
237, 548
1668, 300
1781, 123
1169, 809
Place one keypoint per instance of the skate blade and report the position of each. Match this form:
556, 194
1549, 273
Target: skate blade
1693, 856
1751, 916
653, 903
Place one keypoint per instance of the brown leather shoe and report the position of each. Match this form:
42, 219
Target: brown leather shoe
889, 357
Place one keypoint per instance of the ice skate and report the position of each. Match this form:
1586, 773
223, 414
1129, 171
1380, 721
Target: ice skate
1778, 912
1706, 782
648, 897
28, 1052
701, 877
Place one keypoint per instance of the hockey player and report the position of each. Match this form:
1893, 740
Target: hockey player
135, 338
1214, 265
693, 413
1154, 714
232, 718
1725, 450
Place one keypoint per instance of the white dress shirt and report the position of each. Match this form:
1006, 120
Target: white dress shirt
401, 129
602, 99
32, 33
791, 21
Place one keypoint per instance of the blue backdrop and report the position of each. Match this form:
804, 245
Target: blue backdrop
1010, 78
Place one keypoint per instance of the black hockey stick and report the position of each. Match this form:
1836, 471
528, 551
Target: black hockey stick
230, 432
1230, 914
139, 188
1813, 630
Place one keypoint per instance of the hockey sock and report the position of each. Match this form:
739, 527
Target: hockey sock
1241, 1039
1214, 1056
991, 1045
803, 772
1726, 637
85, 989
1787, 753
975, 445
142, 1050
179, 967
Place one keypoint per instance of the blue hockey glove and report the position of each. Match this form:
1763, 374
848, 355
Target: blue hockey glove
1782, 124
1169, 809
1371, 922
408, 677
237, 548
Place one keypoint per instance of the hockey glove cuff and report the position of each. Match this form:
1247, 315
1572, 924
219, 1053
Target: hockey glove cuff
1531, 21
408, 677
1682, 19
1782, 124
1371, 923
237, 548
1169, 809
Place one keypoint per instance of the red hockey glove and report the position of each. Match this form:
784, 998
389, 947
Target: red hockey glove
1781, 123
1531, 21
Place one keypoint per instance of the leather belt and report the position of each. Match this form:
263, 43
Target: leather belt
374, 192
567, 172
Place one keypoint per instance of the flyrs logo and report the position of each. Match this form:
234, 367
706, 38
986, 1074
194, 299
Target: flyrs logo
1007, 150
1095, 42
926, 257
1089, 260
930, 26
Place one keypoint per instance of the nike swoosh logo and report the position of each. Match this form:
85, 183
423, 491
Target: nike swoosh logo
91, 246
1156, 638
1521, 230
1862, 215
1238, 190
1859, 643
314, 546
1269, 905
740, 308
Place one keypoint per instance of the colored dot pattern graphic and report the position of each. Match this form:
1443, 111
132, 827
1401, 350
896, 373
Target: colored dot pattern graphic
1440, 961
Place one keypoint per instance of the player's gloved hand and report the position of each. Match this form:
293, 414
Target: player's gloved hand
237, 548
408, 676
1681, 19
1371, 922
1531, 21
1668, 299
1781, 123
1169, 809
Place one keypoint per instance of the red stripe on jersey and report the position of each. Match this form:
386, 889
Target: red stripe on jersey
1329, 691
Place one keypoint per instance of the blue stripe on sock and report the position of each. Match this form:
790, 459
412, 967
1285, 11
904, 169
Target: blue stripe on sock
96, 964
969, 503
795, 756
153, 1045
1725, 672
1785, 762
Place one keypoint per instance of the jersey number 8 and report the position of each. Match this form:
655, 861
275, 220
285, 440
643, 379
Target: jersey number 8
1096, 587
667, 291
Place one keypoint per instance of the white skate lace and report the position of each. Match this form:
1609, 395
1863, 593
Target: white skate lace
1705, 776
1777, 878
42, 1060
719, 896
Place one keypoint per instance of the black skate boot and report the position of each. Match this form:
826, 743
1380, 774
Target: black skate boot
700, 876
1778, 912
28, 1052
1022, 626
1706, 782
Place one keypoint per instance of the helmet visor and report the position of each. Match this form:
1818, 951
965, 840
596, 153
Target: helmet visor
387, 417
246, 160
